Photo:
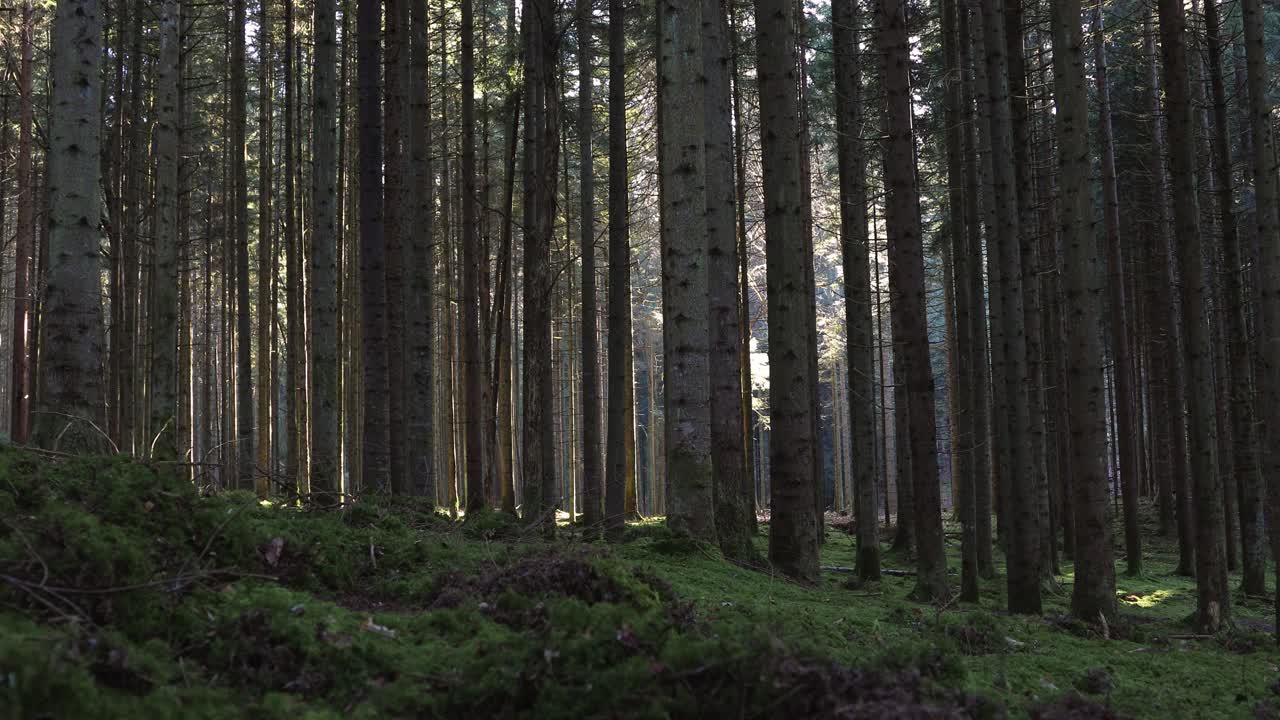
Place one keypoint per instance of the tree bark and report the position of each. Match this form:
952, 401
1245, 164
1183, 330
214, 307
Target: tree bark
793, 530
71, 405
907, 287
1212, 597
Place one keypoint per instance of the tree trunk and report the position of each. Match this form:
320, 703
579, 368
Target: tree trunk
860, 342
541, 146
793, 530
164, 441
907, 288
472, 354
619, 345
1094, 591
1265, 167
686, 373
1128, 430
1017, 482
25, 236
71, 402
375, 434
733, 501
592, 470
1213, 598
326, 402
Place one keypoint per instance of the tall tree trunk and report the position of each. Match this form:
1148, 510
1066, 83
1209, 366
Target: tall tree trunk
541, 146
619, 349
1242, 415
793, 530
375, 434
396, 203
907, 287
71, 403
472, 363
164, 440
24, 245
860, 349
1017, 482
1128, 427
420, 371
266, 376
733, 501
326, 403
964, 443
1213, 598
592, 461
1094, 591
1265, 167
686, 373
980, 362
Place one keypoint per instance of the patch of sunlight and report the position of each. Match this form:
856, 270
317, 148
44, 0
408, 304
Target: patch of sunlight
1147, 600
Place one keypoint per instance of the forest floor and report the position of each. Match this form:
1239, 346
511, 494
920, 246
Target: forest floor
124, 594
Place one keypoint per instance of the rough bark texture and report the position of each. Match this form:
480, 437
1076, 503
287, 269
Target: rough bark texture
24, 243
541, 148
1128, 428
619, 349
907, 290
592, 462
1094, 591
1241, 412
71, 402
471, 260
728, 456
857, 283
163, 443
1265, 167
1018, 484
375, 435
421, 463
686, 373
793, 530
326, 401
1212, 607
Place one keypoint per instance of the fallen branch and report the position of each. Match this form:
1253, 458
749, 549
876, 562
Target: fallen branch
851, 570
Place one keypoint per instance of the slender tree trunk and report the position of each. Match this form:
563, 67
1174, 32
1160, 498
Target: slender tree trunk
733, 502
1213, 598
976, 288
164, 327
1018, 484
616, 461
541, 145
793, 531
960, 321
846, 24
1094, 591
1266, 167
396, 203
1128, 428
375, 434
592, 466
907, 286
1242, 416
472, 363
326, 402
25, 237
266, 376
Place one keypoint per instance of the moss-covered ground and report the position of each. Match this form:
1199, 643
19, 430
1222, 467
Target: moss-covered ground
123, 594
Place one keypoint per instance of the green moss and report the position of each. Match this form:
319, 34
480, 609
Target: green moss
137, 598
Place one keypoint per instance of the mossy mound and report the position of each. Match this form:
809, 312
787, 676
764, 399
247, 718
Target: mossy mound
125, 593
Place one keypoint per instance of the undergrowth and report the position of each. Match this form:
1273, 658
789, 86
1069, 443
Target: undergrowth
124, 594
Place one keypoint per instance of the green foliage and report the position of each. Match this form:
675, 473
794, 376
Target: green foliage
125, 594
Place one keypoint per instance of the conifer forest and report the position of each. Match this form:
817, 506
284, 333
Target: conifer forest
843, 359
